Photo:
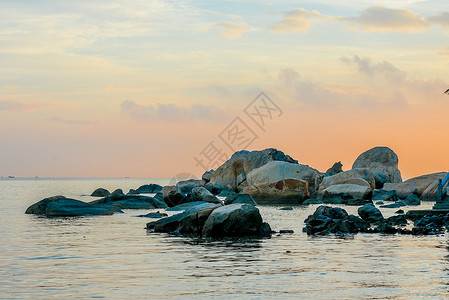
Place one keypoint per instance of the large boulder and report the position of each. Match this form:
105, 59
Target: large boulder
427, 185
225, 177
60, 206
100, 192
382, 162
276, 171
186, 186
362, 177
402, 190
131, 202
207, 176
346, 194
172, 196
235, 220
190, 221
286, 191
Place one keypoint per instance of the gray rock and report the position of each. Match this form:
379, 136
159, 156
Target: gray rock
100, 192
240, 198
190, 221
370, 213
117, 192
313, 201
382, 160
344, 193
225, 177
235, 220
335, 169
149, 188
172, 196
186, 186
402, 190
362, 177
202, 194
60, 206
131, 202
412, 200
384, 195
155, 215
186, 206
207, 176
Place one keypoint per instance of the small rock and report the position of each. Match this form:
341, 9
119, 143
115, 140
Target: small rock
100, 192
286, 208
286, 231
370, 213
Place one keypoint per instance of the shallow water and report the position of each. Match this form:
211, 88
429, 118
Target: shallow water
114, 257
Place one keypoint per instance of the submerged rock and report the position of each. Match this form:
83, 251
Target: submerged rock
131, 202
185, 206
154, 215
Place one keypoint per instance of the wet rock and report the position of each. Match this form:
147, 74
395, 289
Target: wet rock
399, 220
412, 200
240, 198
396, 204
383, 162
190, 221
185, 206
154, 215
383, 195
60, 206
335, 169
284, 231
386, 228
225, 176
100, 192
130, 202
313, 201
236, 220
202, 194
132, 192
370, 213
149, 188
380, 203
117, 192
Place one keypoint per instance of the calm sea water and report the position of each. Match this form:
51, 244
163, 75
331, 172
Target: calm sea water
114, 257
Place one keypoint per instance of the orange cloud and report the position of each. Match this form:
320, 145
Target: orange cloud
232, 30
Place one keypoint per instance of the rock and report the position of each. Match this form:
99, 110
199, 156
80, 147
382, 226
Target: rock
236, 220
380, 203
186, 186
370, 213
225, 176
172, 196
240, 198
131, 202
330, 220
380, 178
241, 179
117, 192
287, 191
190, 221
362, 177
185, 206
400, 220
335, 169
277, 171
207, 176
427, 185
384, 195
400, 211
100, 192
412, 200
60, 206
132, 192
283, 231
313, 201
383, 162
394, 205
226, 193
386, 228
343, 193
286, 208
154, 215
149, 188
202, 194
402, 190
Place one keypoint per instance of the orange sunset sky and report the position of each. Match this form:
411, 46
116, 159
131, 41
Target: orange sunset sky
139, 88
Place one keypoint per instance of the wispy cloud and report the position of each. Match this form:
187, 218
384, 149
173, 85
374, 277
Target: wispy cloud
297, 20
380, 18
371, 69
232, 30
172, 112
71, 121
441, 19
17, 106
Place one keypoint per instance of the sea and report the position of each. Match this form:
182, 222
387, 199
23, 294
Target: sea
115, 257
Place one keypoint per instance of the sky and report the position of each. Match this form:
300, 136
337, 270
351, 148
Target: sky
150, 88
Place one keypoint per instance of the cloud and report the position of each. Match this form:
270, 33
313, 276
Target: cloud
370, 69
71, 121
445, 51
442, 19
297, 20
172, 112
17, 106
233, 30
380, 18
